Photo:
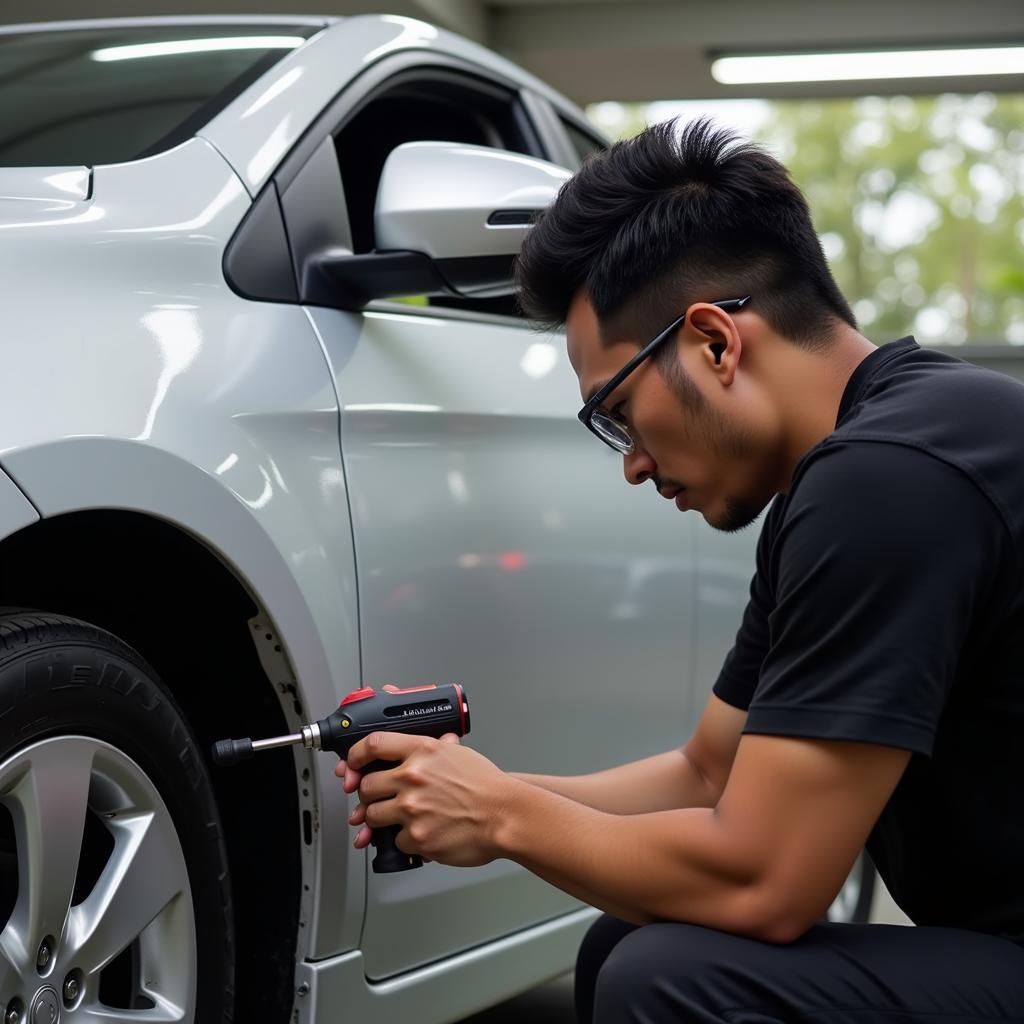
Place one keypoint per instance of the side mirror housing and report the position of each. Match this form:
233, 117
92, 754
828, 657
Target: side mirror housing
449, 219
453, 201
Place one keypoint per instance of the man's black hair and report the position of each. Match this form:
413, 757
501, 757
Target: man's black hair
672, 217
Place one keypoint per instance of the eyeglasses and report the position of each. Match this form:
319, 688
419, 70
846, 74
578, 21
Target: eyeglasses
607, 427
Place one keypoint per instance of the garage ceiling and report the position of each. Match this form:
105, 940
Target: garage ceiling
647, 49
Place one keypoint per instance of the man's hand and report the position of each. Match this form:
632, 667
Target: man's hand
445, 796
350, 780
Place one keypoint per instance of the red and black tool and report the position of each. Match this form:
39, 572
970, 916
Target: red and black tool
421, 711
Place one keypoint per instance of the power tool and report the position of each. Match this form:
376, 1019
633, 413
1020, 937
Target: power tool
431, 710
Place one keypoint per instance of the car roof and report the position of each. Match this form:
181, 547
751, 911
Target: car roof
168, 20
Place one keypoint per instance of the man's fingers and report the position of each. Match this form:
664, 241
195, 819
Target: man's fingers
349, 777
352, 779
383, 746
450, 737
375, 786
383, 812
365, 834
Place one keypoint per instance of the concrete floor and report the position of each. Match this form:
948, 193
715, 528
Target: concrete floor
552, 1003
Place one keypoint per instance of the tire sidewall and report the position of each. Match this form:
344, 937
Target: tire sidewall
60, 677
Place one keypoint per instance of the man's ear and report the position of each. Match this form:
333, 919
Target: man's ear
715, 332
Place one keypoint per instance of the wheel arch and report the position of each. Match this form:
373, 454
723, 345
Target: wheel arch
276, 526
169, 597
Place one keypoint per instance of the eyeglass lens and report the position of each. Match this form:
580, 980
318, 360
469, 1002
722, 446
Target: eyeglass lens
612, 431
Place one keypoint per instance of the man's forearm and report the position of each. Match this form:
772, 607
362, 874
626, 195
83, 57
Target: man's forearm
666, 865
658, 783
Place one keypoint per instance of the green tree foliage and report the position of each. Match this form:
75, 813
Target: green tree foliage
920, 206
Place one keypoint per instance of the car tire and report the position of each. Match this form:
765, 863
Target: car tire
114, 884
852, 905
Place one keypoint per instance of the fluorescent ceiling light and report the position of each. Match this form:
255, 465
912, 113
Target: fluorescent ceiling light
842, 67
173, 47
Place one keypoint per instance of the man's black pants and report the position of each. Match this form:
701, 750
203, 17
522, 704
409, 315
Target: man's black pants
834, 974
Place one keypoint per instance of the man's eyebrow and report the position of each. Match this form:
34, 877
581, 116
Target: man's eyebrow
595, 388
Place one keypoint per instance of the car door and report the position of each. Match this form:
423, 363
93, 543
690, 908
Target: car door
497, 544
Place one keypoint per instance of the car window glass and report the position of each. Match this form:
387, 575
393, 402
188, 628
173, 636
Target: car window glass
100, 96
582, 143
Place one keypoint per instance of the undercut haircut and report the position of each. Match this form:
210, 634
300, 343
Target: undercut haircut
676, 216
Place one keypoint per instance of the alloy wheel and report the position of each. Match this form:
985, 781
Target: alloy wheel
100, 925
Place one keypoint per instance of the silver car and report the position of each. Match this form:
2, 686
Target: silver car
239, 479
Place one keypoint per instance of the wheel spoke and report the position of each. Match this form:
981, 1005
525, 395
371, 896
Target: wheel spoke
140, 879
13, 960
48, 803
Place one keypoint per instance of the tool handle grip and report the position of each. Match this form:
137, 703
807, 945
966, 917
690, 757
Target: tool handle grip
389, 858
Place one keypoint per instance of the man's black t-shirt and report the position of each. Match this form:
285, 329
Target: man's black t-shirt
888, 607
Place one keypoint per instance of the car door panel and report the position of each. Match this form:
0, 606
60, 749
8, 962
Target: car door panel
497, 546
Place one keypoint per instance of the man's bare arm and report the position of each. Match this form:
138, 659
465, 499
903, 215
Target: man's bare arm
766, 861
693, 776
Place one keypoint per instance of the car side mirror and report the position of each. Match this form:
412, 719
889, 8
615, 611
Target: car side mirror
461, 202
449, 219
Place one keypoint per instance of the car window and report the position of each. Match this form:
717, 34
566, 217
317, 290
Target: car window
582, 142
442, 107
100, 96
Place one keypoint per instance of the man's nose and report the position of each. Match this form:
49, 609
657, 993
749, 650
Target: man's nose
638, 466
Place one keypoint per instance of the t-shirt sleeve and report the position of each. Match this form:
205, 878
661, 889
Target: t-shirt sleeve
880, 565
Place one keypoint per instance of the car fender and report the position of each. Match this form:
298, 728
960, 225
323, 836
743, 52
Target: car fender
16, 511
134, 378
79, 474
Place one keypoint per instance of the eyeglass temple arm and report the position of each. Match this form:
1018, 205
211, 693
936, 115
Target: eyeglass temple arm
595, 400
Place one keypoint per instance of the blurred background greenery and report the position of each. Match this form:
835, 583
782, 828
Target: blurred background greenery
919, 201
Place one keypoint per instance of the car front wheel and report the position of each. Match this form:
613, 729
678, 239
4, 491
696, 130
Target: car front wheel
114, 899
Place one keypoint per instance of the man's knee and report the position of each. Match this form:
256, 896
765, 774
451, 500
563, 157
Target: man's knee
660, 971
602, 937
